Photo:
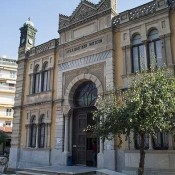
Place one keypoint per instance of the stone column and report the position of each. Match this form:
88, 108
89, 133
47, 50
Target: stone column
150, 143
164, 58
70, 136
66, 134
27, 135
128, 59
50, 79
124, 61
31, 84
36, 136
168, 50
101, 146
48, 135
170, 140
145, 54
131, 141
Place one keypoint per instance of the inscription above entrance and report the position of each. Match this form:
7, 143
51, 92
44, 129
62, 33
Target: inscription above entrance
83, 46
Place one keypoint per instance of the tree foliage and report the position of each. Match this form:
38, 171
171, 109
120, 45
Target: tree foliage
3, 137
146, 107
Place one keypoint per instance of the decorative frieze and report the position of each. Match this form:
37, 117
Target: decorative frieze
43, 47
85, 61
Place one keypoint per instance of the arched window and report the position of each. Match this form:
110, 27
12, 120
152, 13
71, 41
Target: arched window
45, 83
85, 95
138, 54
33, 129
41, 132
154, 48
161, 141
36, 87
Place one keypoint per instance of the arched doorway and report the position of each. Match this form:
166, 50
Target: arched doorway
84, 144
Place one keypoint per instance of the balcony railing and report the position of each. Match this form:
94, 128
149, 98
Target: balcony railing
2, 75
8, 63
7, 114
7, 88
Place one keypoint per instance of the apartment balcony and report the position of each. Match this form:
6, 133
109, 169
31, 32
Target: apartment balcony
7, 89
6, 115
4, 76
8, 63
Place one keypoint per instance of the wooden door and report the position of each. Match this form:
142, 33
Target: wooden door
79, 137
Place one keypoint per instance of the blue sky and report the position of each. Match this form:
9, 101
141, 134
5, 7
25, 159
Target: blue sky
44, 14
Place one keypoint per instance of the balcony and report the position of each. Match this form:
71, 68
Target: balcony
8, 76
8, 115
9, 62
7, 89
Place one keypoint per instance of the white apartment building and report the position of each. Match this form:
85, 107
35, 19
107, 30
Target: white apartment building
8, 75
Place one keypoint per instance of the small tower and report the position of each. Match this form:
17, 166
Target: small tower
27, 41
114, 5
27, 38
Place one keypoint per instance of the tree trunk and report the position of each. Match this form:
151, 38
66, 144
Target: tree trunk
142, 155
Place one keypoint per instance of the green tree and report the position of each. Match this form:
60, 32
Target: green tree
146, 107
3, 137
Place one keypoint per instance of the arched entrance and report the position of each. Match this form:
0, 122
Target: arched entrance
84, 144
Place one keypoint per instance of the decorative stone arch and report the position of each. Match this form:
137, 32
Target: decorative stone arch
41, 118
134, 34
151, 28
73, 85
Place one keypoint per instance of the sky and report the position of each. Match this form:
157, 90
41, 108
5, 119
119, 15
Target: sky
44, 14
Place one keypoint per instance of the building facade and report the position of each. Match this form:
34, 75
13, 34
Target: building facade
8, 75
58, 83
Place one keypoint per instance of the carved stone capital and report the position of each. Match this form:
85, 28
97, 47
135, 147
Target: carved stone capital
66, 110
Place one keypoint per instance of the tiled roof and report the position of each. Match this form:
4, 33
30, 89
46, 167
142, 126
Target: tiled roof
6, 129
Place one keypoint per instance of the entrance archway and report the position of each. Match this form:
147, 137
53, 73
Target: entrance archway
84, 144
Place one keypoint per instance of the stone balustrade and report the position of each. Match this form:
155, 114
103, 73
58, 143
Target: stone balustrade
142, 11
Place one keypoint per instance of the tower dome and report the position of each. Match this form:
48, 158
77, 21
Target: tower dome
29, 22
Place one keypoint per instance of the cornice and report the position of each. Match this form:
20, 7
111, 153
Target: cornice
144, 11
37, 104
143, 18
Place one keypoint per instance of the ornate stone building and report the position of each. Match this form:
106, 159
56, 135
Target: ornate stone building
59, 81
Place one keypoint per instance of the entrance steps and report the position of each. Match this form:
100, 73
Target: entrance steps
47, 173
107, 172
59, 170
67, 170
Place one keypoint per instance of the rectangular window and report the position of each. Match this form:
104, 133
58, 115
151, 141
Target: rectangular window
155, 53
159, 53
161, 142
7, 123
138, 58
8, 112
141, 57
12, 74
37, 83
135, 59
138, 141
45, 88
152, 54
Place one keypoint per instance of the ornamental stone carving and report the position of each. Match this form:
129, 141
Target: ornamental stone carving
85, 11
142, 11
